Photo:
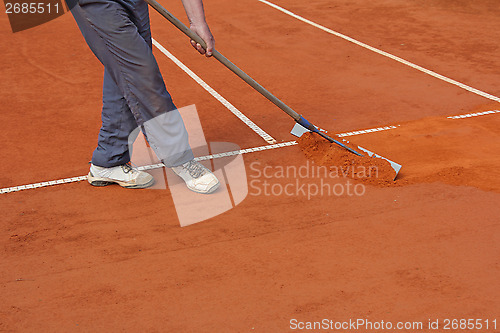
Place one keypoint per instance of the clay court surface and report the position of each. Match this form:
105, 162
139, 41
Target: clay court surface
79, 258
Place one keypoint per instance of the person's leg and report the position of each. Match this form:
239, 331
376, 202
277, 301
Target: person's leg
113, 36
140, 17
118, 122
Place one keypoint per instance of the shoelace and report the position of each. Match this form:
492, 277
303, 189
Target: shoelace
195, 169
127, 168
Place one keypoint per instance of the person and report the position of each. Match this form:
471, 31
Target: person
134, 94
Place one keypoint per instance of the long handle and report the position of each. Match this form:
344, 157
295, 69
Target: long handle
244, 76
226, 62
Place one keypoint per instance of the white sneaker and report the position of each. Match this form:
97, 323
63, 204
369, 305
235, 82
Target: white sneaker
123, 175
198, 178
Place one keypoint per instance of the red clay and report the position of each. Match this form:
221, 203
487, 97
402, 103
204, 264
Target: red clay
76, 257
343, 163
452, 151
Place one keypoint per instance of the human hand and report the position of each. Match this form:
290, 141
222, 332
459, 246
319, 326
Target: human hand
203, 31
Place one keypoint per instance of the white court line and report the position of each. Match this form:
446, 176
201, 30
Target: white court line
469, 115
386, 54
370, 130
230, 153
42, 184
146, 167
201, 158
269, 139
226, 154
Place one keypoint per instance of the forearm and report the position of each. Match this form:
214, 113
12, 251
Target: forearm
194, 11
196, 16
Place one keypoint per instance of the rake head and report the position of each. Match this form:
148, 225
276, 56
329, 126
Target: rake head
299, 129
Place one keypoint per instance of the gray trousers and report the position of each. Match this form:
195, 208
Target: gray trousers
134, 94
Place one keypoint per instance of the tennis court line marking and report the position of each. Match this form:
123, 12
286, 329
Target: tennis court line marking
370, 130
201, 158
476, 114
385, 54
42, 184
226, 154
147, 167
269, 139
231, 153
